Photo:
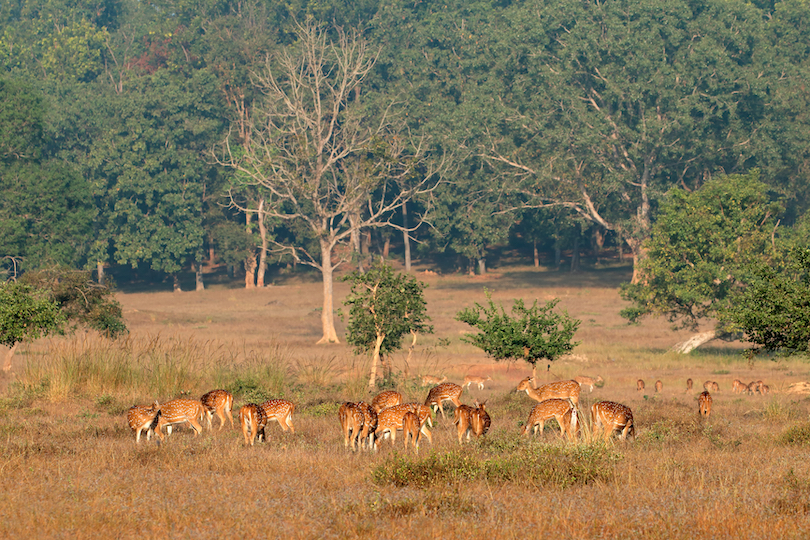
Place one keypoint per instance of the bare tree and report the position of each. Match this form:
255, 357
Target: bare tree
302, 136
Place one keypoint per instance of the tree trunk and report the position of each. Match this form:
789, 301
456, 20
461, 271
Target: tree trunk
386, 247
198, 277
100, 272
250, 261
575, 255
10, 357
406, 237
482, 266
355, 239
639, 253
536, 255
176, 283
211, 254
375, 360
327, 315
685, 347
263, 252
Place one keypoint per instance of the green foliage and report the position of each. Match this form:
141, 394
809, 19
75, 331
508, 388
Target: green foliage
773, 306
532, 333
796, 436
26, 313
384, 304
700, 246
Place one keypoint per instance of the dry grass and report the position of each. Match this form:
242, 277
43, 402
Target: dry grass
71, 468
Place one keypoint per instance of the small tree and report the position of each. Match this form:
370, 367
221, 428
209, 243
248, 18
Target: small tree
384, 306
26, 313
773, 309
531, 333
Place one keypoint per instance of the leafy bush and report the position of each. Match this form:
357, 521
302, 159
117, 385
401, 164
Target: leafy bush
797, 435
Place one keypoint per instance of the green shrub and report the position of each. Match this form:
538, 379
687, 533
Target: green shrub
797, 435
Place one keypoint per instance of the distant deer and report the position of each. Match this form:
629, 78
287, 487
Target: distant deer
181, 411
472, 379
705, 404
640, 385
588, 381
612, 416
444, 392
390, 420
764, 389
221, 402
386, 399
428, 380
659, 386
252, 420
689, 385
548, 409
142, 418
558, 389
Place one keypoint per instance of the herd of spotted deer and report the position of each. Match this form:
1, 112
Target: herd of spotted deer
364, 425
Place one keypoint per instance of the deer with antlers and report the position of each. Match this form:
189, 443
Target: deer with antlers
555, 390
253, 421
704, 404
219, 402
386, 399
611, 417
181, 411
444, 392
142, 418
552, 408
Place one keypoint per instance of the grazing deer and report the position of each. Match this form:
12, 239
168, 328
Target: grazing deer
737, 386
659, 386
689, 385
369, 425
352, 422
640, 385
472, 379
281, 411
546, 410
386, 399
180, 411
589, 381
764, 389
410, 429
558, 389
444, 392
142, 418
431, 380
705, 404
752, 388
612, 416
715, 387
221, 402
390, 420
253, 420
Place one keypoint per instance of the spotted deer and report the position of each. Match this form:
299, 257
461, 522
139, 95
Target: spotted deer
689, 385
588, 381
352, 422
181, 411
737, 386
548, 409
281, 411
555, 390
431, 380
480, 420
764, 389
410, 429
386, 399
141, 418
752, 388
390, 420
659, 386
471, 420
705, 404
612, 416
472, 379
253, 421
444, 392
369, 425
220, 402
640, 385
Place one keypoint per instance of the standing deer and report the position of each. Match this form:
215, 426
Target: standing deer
386, 399
612, 416
252, 420
431, 380
281, 411
689, 385
142, 418
444, 392
588, 381
352, 423
558, 389
705, 404
390, 420
180, 411
472, 379
369, 425
410, 429
737, 386
548, 409
764, 389
659, 386
221, 402
479, 419
640, 385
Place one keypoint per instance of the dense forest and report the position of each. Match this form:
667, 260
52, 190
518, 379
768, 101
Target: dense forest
176, 134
